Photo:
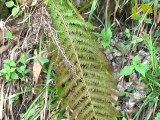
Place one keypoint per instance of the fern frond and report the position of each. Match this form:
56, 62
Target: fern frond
88, 93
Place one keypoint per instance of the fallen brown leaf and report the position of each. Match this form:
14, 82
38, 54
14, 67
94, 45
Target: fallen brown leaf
36, 71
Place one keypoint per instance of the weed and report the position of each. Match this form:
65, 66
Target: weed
140, 68
13, 72
127, 32
105, 36
157, 116
15, 8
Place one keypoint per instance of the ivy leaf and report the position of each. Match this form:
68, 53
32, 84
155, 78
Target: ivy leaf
142, 68
9, 4
15, 11
127, 70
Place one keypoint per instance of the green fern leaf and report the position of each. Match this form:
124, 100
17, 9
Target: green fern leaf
88, 94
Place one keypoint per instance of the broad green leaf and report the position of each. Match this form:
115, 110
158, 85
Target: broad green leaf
148, 20
157, 116
7, 68
14, 76
43, 60
12, 63
21, 69
105, 36
9, 4
23, 58
127, 32
127, 70
8, 34
3, 71
105, 43
15, 11
134, 39
12, 69
26, 71
139, 39
7, 77
135, 60
142, 68
7, 61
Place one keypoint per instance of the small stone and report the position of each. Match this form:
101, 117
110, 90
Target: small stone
142, 53
121, 35
117, 54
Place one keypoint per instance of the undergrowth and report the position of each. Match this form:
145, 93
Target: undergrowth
53, 64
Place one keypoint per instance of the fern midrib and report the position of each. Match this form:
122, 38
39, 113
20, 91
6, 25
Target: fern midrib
77, 58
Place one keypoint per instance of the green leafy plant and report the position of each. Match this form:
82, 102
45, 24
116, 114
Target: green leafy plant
22, 69
152, 75
136, 39
105, 36
128, 70
13, 72
86, 82
157, 116
37, 57
127, 32
15, 8
9, 68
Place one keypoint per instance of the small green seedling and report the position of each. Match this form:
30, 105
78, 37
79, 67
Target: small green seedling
140, 68
127, 32
15, 8
136, 39
9, 70
22, 69
13, 72
40, 59
105, 36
